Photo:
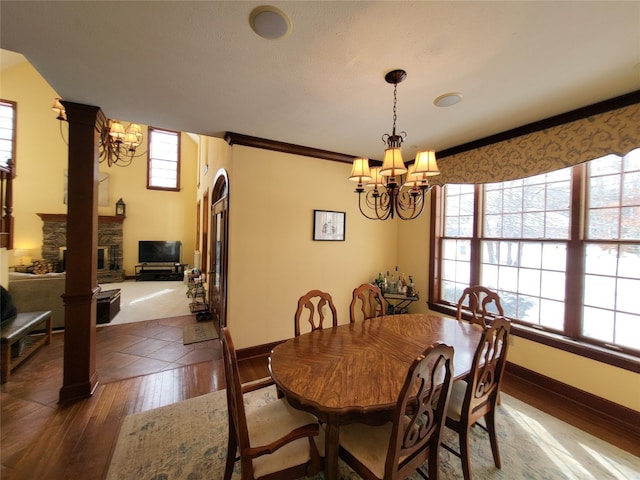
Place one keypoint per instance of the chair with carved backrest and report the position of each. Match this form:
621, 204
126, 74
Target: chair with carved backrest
477, 395
367, 302
312, 308
394, 450
274, 441
479, 300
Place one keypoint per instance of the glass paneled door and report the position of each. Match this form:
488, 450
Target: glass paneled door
219, 253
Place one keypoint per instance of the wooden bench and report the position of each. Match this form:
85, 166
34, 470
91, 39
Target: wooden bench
20, 338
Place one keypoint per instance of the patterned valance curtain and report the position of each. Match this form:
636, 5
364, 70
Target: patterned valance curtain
616, 131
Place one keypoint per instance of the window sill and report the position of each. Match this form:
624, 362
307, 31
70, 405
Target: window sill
593, 352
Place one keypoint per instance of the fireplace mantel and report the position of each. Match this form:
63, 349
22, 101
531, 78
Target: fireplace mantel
62, 217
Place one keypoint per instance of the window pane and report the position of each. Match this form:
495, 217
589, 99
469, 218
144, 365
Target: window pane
524, 276
601, 259
531, 255
553, 285
7, 133
456, 269
529, 282
627, 331
605, 165
534, 198
604, 191
598, 324
164, 158
493, 201
554, 256
631, 188
557, 225
630, 219
603, 224
512, 226
626, 300
600, 291
629, 261
552, 314
528, 309
533, 225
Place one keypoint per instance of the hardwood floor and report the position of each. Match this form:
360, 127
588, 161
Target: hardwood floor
143, 366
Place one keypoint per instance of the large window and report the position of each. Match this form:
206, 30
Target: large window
164, 160
562, 249
7, 132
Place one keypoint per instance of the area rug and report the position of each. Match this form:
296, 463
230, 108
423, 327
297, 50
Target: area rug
198, 332
187, 440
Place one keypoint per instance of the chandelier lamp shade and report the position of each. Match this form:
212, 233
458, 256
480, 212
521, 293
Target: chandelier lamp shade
394, 189
118, 145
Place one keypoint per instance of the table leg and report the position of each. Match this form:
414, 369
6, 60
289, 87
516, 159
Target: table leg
331, 446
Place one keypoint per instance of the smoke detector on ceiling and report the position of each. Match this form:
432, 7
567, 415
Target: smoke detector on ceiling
270, 22
447, 99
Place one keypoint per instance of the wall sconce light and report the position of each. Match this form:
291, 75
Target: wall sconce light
121, 208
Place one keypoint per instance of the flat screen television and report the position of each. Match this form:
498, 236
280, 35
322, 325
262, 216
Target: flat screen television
157, 251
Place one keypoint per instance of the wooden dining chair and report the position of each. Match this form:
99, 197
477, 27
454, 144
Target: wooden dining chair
396, 449
312, 308
274, 441
367, 302
479, 299
477, 395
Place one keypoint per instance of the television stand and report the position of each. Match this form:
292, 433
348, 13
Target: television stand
159, 271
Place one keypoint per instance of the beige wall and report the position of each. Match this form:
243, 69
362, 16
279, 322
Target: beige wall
41, 160
272, 257
615, 384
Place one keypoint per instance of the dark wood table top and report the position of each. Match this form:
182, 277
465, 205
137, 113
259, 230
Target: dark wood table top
360, 367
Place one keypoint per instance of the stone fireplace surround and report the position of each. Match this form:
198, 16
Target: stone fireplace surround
54, 240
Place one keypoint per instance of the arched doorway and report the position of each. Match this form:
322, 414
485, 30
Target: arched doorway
219, 249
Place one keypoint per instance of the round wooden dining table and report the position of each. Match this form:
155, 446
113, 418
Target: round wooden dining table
355, 371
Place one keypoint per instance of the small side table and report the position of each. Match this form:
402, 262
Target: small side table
398, 302
108, 305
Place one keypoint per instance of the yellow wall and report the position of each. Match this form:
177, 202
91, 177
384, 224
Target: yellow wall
272, 257
40, 156
615, 384
41, 161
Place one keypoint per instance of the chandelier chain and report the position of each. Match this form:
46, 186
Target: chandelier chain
395, 101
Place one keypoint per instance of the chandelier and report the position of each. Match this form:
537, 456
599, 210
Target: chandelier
118, 144
393, 189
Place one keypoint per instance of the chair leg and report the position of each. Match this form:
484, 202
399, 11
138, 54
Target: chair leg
232, 448
464, 452
434, 459
490, 418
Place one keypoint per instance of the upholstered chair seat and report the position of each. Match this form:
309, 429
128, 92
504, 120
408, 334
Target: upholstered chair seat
370, 443
273, 421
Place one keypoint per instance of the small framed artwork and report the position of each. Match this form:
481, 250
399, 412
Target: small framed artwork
328, 225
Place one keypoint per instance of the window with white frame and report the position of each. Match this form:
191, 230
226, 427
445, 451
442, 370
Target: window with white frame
163, 172
7, 132
572, 269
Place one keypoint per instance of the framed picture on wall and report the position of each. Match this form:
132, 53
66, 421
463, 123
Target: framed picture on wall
328, 225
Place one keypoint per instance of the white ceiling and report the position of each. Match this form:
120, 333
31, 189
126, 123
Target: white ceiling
198, 67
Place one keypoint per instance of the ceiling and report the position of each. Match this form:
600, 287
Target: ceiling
199, 67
